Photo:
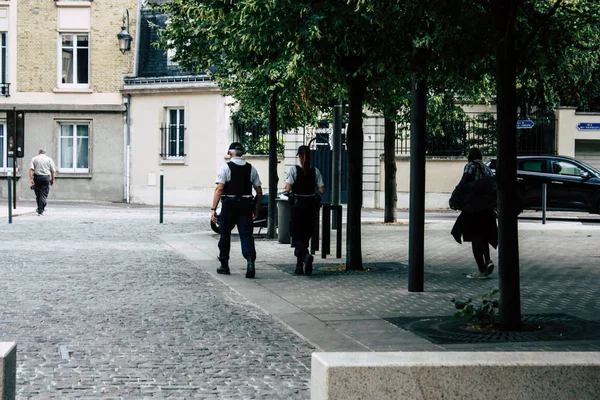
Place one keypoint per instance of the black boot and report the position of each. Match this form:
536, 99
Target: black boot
223, 269
308, 261
250, 271
299, 270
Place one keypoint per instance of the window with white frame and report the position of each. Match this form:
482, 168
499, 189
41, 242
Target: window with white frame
173, 134
74, 60
74, 147
171, 52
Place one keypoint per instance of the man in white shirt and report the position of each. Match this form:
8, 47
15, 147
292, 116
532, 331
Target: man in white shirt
41, 176
235, 181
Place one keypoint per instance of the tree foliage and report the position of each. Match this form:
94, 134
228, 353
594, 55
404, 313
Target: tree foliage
249, 59
558, 54
305, 53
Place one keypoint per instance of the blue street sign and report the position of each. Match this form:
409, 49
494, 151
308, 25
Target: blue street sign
524, 124
588, 126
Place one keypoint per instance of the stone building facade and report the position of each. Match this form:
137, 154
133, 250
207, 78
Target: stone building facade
62, 66
179, 126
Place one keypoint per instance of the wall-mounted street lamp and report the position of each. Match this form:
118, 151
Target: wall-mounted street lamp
124, 37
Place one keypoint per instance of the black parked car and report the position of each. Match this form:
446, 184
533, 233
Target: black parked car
572, 185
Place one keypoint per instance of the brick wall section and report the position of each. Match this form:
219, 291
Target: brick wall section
36, 42
107, 63
37, 45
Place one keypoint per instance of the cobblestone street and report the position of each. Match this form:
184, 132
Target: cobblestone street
101, 308
105, 302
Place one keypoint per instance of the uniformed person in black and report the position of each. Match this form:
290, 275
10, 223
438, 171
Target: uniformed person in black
234, 182
303, 181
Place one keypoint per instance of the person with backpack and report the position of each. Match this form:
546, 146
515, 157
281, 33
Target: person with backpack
235, 181
475, 196
306, 185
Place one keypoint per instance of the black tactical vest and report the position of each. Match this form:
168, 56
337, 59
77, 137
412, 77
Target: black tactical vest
305, 184
239, 184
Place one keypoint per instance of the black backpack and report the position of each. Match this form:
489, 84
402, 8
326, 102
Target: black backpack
476, 195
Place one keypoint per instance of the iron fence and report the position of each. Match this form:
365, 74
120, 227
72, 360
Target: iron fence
321, 136
448, 138
254, 137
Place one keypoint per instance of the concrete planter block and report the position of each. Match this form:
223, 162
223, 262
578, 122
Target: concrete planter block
456, 375
8, 370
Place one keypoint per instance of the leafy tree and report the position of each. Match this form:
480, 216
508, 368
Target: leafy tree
292, 53
345, 42
518, 22
361, 46
249, 60
557, 49
391, 97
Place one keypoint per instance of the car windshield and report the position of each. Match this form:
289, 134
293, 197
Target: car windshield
590, 168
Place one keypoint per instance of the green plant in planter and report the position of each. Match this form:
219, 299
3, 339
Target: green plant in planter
484, 313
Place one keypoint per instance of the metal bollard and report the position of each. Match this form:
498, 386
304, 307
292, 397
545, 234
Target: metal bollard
338, 234
544, 199
162, 191
326, 246
9, 179
328, 210
314, 242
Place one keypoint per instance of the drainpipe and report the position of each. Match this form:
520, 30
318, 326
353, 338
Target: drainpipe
127, 146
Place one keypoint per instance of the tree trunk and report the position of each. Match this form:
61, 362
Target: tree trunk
418, 132
508, 250
358, 87
389, 144
273, 178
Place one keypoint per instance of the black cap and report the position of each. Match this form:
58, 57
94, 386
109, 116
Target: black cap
236, 146
303, 149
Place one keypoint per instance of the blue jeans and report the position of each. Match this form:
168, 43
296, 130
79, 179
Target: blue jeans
236, 211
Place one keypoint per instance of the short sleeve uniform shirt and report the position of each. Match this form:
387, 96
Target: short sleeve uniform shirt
224, 174
291, 174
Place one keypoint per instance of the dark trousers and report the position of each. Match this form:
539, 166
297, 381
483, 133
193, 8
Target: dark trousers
236, 211
302, 225
42, 189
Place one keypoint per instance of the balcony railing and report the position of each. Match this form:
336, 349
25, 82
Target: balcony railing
5, 89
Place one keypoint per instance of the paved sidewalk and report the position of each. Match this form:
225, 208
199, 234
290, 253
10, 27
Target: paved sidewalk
346, 311
20, 210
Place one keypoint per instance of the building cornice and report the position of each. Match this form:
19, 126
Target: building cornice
130, 80
165, 84
95, 108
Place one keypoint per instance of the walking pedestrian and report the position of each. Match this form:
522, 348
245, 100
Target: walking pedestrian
306, 185
41, 176
235, 181
477, 221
